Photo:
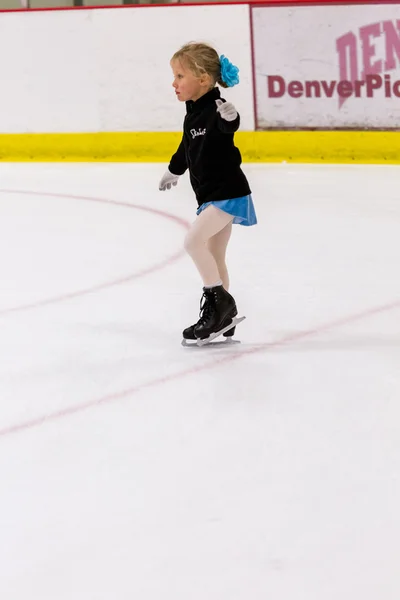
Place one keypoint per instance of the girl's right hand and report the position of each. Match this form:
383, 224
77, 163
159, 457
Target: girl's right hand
167, 181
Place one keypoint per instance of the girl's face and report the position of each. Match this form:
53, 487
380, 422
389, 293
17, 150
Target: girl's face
187, 85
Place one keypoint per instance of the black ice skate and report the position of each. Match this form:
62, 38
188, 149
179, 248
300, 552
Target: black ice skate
207, 309
188, 333
218, 315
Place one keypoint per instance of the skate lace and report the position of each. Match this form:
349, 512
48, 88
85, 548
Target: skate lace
206, 308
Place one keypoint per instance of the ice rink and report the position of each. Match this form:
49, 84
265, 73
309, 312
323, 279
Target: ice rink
134, 469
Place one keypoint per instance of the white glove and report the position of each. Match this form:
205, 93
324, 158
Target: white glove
168, 180
226, 110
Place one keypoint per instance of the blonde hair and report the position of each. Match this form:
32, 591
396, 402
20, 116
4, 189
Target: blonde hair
201, 59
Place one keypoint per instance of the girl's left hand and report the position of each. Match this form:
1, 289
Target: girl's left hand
226, 109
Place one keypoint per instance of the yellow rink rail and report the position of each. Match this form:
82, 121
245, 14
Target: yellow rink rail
255, 146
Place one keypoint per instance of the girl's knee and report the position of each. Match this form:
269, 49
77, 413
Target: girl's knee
188, 242
192, 242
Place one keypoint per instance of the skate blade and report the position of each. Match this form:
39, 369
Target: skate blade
235, 321
193, 343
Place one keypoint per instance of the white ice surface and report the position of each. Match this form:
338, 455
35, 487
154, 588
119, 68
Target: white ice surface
133, 468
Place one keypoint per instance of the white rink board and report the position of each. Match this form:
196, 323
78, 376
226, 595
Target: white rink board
108, 69
348, 55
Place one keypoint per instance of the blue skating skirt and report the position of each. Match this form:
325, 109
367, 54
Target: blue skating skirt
241, 208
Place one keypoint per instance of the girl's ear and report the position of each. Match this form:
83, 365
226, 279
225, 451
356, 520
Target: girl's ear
206, 80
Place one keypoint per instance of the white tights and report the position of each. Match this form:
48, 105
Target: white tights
206, 243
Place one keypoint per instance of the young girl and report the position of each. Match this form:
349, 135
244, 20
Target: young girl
223, 194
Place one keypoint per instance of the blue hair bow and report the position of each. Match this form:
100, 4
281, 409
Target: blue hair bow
229, 73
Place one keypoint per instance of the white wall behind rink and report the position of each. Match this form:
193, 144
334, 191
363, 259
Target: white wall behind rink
108, 69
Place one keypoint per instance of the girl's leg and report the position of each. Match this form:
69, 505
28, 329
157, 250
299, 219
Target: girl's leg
207, 225
217, 246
